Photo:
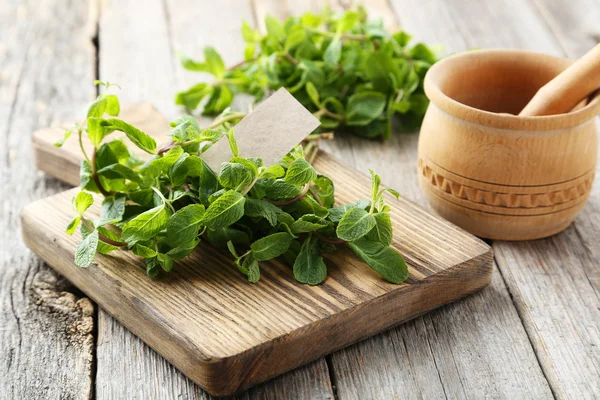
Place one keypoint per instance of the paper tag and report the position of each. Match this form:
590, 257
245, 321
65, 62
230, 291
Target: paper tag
269, 132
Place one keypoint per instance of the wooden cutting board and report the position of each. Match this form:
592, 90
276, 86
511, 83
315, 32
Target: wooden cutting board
227, 334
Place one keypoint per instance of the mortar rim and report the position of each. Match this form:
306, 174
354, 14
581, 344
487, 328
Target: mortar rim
504, 121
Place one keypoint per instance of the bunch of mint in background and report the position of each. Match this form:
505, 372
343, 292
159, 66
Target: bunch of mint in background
161, 208
352, 74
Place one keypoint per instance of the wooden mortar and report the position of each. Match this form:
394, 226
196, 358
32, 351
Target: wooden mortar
491, 172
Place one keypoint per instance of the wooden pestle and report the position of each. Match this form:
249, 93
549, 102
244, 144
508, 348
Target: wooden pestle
570, 87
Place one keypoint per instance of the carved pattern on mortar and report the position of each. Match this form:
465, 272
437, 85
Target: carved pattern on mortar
507, 200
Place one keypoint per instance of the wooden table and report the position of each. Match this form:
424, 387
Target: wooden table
534, 333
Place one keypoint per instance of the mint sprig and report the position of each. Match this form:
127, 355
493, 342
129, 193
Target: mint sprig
346, 69
161, 208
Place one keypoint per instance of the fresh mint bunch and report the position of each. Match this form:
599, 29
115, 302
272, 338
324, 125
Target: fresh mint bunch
352, 74
160, 209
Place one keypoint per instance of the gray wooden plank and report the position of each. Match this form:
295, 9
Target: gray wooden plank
472, 349
126, 367
46, 70
555, 282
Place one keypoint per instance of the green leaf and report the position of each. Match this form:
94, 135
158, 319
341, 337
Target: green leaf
113, 107
323, 187
261, 208
165, 262
73, 225
294, 38
309, 266
214, 62
139, 138
382, 232
375, 184
85, 177
364, 107
273, 171
62, 140
274, 28
184, 225
86, 250
232, 143
252, 268
279, 189
113, 208
151, 267
182, 251
143, 251
248, 33
82, 202
355, 224
348, 21
333, 53
313, 93
304, 224
190, 64
271, 246
300, 172
146, 225
233, 175
118, 171
225, 210
387, 262
192, 97
219, 237
336, 213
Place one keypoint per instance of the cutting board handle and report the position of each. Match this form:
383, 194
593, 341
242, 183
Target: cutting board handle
580, 80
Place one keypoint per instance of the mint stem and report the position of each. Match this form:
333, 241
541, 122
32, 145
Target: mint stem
101, 236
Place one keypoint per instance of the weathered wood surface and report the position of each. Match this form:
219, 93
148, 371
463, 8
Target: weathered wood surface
224, 322
553, 282
128, 369
46, 69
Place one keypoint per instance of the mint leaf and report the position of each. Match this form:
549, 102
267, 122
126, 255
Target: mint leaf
113, 208
382, 232
118, 171
86, 250
355, 224
82, 202
233, 175
364, 107
146, 225
274, 28
225, 210
143, 251
307, 223
323, 187
165, 262
184, 225
214, 63
73, 225
387, 262
279, 189
232, 143
309, 266
261, 208
336, 213
300, 172
271, 246
252, 268
333, 52
139, 138
192, 97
